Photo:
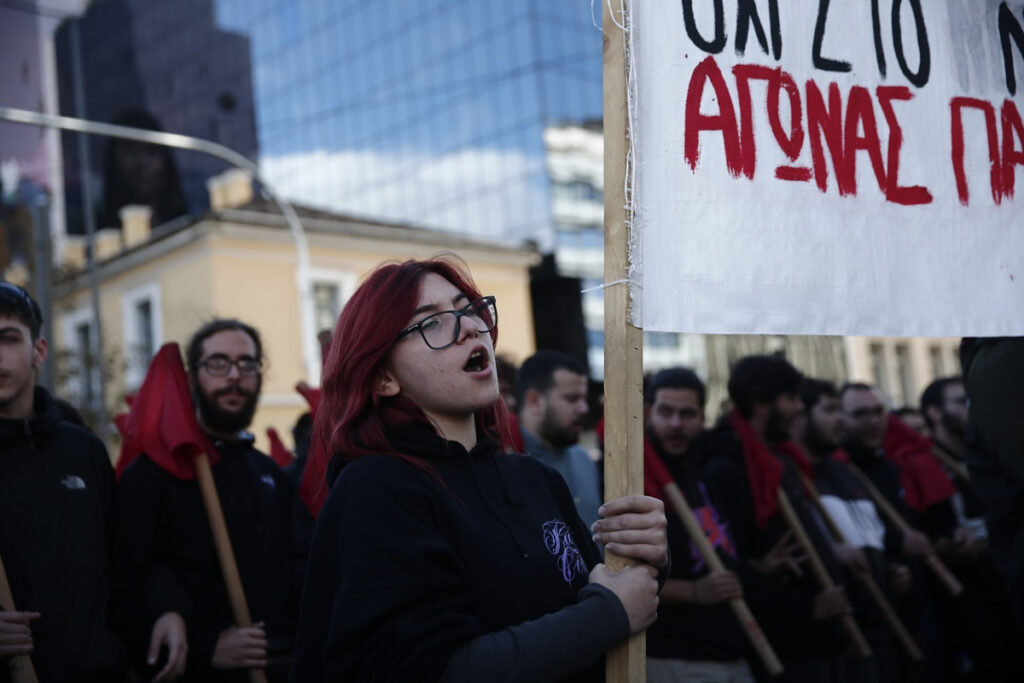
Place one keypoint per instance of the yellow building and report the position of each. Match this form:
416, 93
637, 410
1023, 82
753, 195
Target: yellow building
902, 367
240, 261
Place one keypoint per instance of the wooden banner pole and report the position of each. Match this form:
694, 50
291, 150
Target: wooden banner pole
225, 554
937, 567
623, 348
872, 587
857, 640
20, 666
738, 605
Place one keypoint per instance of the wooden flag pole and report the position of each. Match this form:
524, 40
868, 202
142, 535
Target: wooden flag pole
857, 640
738, 605
873, 589
958, 469
937, 567
225, 554
623, 349
20, 666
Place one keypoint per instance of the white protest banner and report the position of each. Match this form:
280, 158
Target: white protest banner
817, 167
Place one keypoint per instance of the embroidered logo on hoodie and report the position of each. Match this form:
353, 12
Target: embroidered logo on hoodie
560, 543
73, 482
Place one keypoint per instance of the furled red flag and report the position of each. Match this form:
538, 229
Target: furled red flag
924, 481
278, 451
162, 421
312, 395
656, 475
840, 455
313, 487
798, 457
764, 470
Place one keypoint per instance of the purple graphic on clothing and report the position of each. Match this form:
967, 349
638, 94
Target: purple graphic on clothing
715, 529
560, 543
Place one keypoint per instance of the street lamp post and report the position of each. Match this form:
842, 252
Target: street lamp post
310, 352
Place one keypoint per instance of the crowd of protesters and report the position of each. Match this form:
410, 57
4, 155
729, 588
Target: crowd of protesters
858, 538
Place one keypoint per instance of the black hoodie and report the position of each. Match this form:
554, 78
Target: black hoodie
167, 561
56, 499
783, 605
477, 573
686, 630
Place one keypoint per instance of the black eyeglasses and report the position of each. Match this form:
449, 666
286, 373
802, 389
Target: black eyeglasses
862, 413
220, 366
441, 330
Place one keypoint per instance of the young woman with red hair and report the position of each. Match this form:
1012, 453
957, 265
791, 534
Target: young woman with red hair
438, 556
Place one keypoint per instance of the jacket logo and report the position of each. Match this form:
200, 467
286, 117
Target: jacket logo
73, 482
560, 543
269, 481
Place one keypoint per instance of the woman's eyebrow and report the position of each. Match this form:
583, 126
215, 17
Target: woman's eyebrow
434, 307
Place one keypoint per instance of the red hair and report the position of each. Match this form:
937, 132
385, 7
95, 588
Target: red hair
354, 419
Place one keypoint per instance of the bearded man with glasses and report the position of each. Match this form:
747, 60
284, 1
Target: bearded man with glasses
173, 606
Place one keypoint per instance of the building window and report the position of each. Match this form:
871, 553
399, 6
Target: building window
935, 358
82, 364
330, 290
906, 376
879, 368
140, 317
326, 304
662, 340
576, 190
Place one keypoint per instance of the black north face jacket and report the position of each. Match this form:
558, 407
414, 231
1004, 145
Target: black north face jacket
56, 501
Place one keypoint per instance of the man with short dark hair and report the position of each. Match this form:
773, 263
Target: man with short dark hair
551, 392
173, 602
978, 623
56, 504
746, 461
869, 543
696, 636
865, 426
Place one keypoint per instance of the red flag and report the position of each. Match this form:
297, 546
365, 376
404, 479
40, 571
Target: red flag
278, 451
312, 396
924, 481
656, 474
313, 487
162, 421
764, 470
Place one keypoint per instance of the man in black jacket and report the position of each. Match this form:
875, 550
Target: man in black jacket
172, 602
56, 499
696, 636
744, 459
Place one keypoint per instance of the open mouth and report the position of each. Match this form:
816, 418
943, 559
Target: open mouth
477, 361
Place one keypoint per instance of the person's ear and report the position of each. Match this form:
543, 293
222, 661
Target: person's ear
533, 399
39, 350
386, 384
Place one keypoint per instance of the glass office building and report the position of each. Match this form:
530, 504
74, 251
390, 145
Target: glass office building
475, 116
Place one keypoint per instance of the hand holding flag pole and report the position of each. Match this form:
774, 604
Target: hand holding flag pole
162, 424
938, 568
657, 482
888, 613
20, 666
860, 644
